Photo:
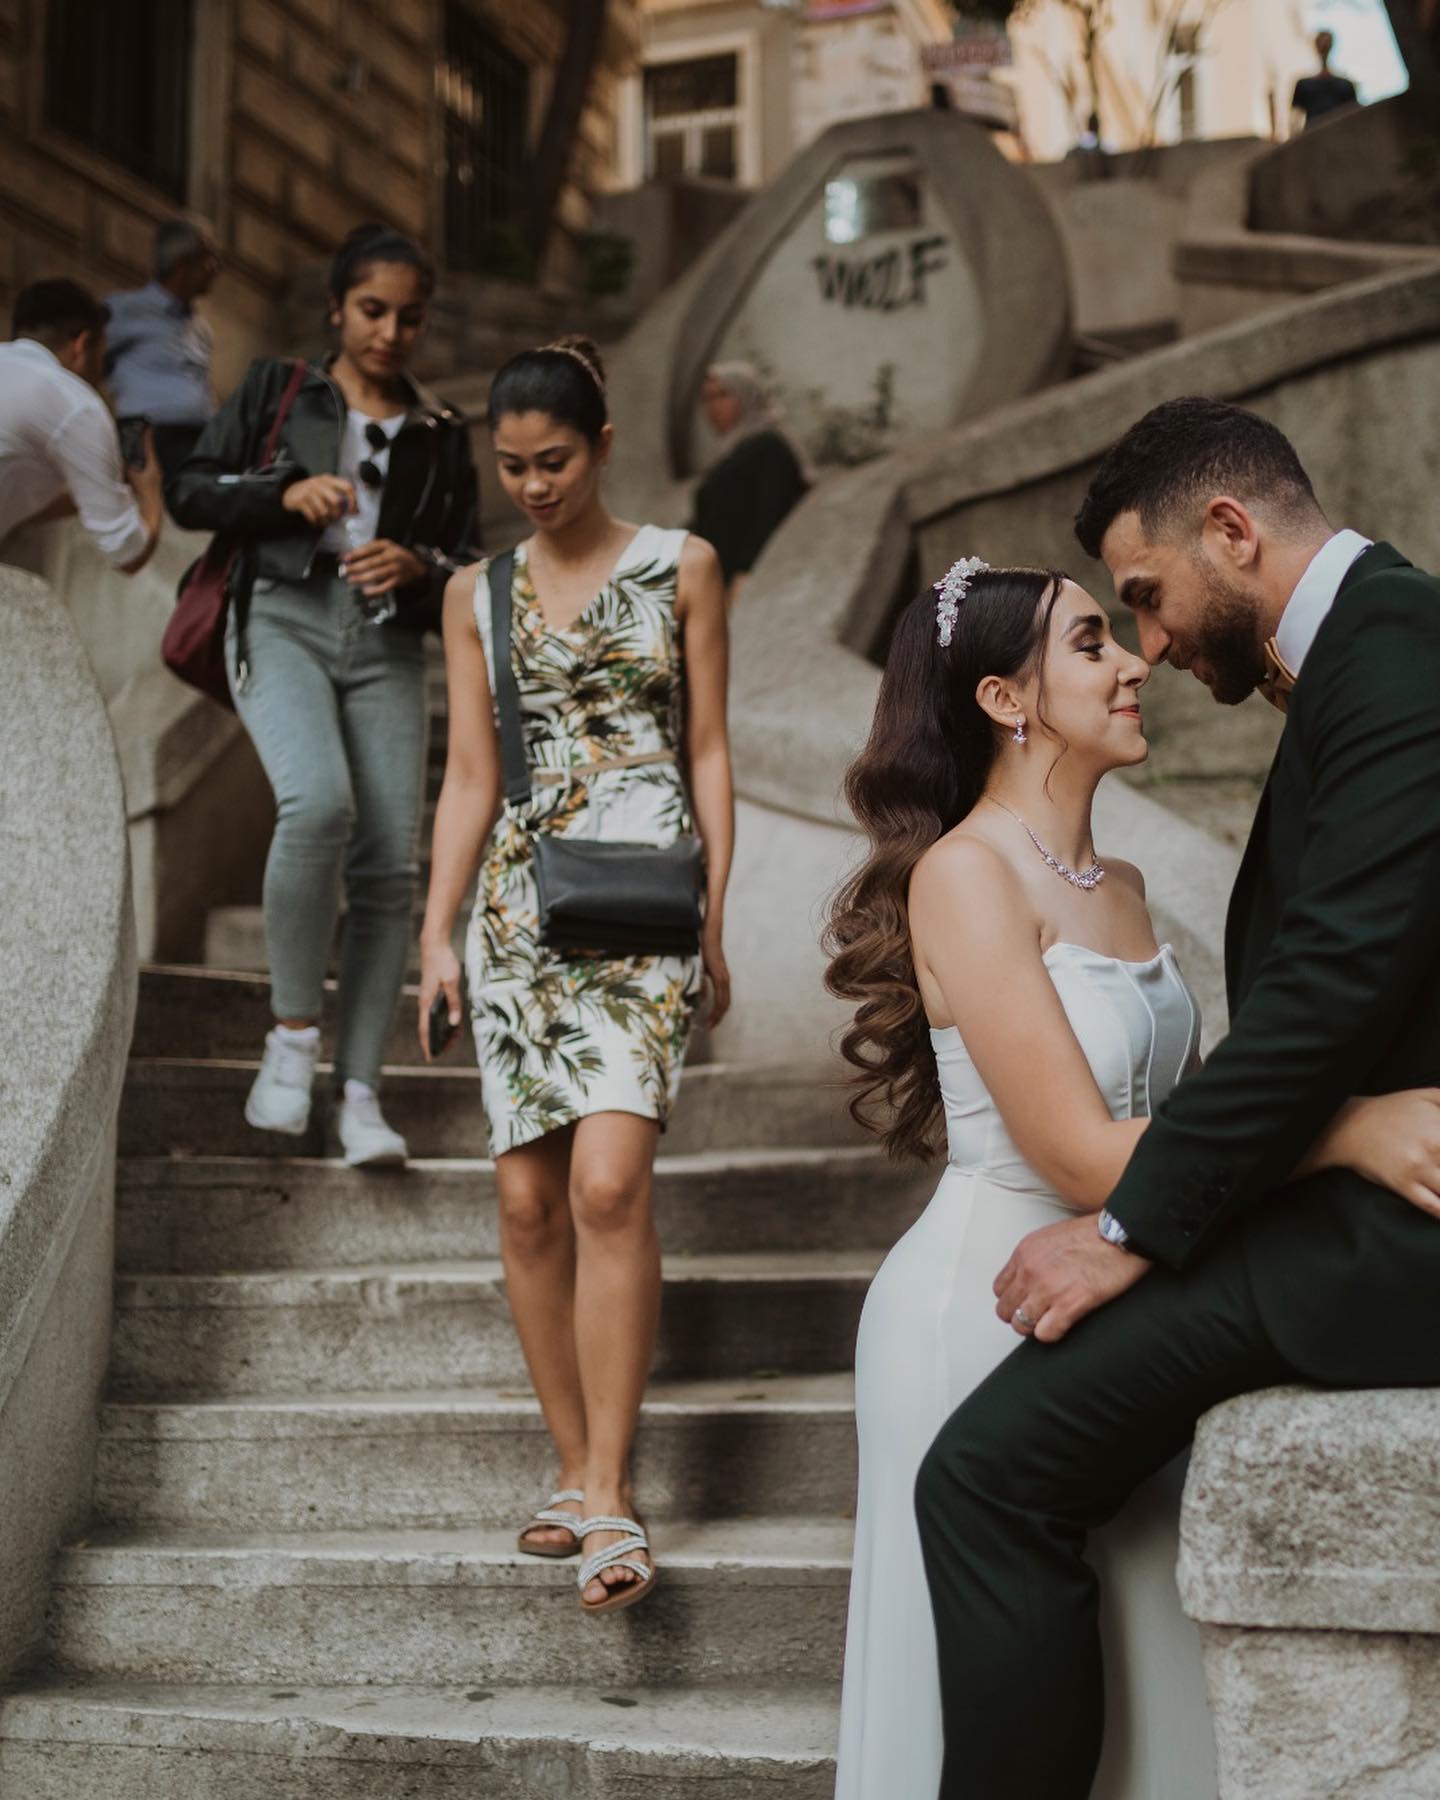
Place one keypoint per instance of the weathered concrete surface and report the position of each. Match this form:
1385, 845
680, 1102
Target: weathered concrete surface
1353, 177
381, 1328
67, 996
739, 1600
1324, 1715
777, 1447
1310, 1552
149, 1742
1317, 1511
1224, 275
1120, 228
197, 800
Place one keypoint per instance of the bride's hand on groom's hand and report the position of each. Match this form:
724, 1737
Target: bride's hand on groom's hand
1060, 1273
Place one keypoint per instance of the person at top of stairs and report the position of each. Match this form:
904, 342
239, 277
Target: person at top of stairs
617, 634
353, 529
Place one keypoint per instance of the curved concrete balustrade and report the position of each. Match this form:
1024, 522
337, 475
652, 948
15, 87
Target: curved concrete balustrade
67, 976
995, 303
1356, 175
198, 803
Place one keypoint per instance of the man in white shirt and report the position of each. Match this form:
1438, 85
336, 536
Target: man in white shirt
59, 449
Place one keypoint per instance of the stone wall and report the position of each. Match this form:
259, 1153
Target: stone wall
1369, 174
1120, 218
67, 1000
198, 804
308, 116
284, 159
1309, 1555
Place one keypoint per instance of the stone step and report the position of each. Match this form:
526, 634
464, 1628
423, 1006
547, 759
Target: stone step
401, 1327
189, 1215
235, 935
777, 1446
63, 1740
740, 1601
196, 1108
202, 1013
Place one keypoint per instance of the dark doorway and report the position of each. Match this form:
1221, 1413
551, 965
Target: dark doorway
117, 78
485, 91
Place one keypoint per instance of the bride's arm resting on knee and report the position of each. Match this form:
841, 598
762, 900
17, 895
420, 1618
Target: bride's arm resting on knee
469, 801
701, 596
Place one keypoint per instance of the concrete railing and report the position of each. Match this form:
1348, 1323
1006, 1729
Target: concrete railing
67, 1000
1310, 1556
196, 798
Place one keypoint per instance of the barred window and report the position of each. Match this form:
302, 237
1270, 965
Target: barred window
117, 79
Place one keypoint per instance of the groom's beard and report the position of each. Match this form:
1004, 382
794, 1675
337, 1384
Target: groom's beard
1225, 640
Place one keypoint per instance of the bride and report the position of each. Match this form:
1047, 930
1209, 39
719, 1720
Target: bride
1008, 982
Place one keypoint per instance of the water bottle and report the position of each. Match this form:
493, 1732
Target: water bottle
375, 609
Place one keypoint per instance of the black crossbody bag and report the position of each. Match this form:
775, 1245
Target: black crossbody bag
615, 899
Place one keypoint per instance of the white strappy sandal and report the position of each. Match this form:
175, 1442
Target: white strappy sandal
616, 1556
548, 1516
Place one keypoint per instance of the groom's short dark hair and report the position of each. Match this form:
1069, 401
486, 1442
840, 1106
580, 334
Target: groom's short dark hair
1179, 456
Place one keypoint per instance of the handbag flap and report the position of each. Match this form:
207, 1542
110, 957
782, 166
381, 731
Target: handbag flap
640, 884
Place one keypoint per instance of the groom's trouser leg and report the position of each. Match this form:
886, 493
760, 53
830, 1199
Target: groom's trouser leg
1047, 1447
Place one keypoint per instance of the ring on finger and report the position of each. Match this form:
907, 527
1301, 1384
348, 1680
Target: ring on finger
1023, 1319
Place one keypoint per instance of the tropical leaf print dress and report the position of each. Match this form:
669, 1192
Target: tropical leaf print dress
562, 1037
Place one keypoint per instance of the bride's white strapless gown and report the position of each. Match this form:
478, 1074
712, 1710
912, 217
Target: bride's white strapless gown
929, 1334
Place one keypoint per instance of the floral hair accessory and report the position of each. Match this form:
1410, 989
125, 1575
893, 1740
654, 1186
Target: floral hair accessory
951, 591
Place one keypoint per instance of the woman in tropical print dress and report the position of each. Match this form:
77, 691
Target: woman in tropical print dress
580, 1056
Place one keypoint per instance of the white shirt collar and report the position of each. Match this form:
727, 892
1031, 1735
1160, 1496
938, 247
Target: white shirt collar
1314, 595
34, 348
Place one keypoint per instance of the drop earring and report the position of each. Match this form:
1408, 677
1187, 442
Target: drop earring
1019, 737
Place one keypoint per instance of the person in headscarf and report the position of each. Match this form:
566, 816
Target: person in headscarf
758, 476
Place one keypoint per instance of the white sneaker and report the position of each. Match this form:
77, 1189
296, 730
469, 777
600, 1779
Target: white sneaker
367, 1141
280, 1098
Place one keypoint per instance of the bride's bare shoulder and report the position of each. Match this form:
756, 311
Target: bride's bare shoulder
966, 862
1126, 872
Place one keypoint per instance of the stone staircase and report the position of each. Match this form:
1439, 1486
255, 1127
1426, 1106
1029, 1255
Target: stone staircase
318, 1442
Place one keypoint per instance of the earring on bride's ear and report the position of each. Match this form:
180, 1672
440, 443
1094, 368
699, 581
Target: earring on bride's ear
1020, 730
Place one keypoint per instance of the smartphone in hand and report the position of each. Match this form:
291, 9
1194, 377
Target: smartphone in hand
132, 431
439, 1030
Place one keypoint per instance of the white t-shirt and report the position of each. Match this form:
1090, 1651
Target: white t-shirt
360, 526
57, 437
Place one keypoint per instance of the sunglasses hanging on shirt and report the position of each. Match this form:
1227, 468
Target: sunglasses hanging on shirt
368, 470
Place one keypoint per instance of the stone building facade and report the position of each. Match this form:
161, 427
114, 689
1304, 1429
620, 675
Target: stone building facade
285, 122
733, 89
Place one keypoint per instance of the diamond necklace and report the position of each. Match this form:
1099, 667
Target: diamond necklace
1089, 879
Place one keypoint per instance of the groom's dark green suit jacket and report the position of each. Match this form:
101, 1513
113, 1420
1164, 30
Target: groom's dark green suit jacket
1332, 960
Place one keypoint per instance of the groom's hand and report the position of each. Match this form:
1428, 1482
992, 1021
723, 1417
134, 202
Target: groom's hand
1059, 1274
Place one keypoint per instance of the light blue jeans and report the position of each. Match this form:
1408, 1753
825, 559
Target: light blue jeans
336, 709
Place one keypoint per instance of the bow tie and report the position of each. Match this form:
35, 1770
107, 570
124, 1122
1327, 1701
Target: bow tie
1278, 679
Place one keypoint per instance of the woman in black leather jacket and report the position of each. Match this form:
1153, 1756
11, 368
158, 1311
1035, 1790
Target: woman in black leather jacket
350, 535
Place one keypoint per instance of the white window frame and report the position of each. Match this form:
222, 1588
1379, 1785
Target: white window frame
634, 144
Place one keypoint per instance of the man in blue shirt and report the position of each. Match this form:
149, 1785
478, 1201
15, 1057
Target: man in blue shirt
159, 349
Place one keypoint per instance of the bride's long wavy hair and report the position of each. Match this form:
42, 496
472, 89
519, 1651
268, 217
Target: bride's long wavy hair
930, 752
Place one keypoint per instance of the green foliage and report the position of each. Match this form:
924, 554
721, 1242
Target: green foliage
609, 262
505, 255
855, 434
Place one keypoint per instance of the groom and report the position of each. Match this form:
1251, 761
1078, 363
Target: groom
1200, 1281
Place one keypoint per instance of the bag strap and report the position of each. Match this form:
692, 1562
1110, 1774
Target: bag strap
513, 761
287, 400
